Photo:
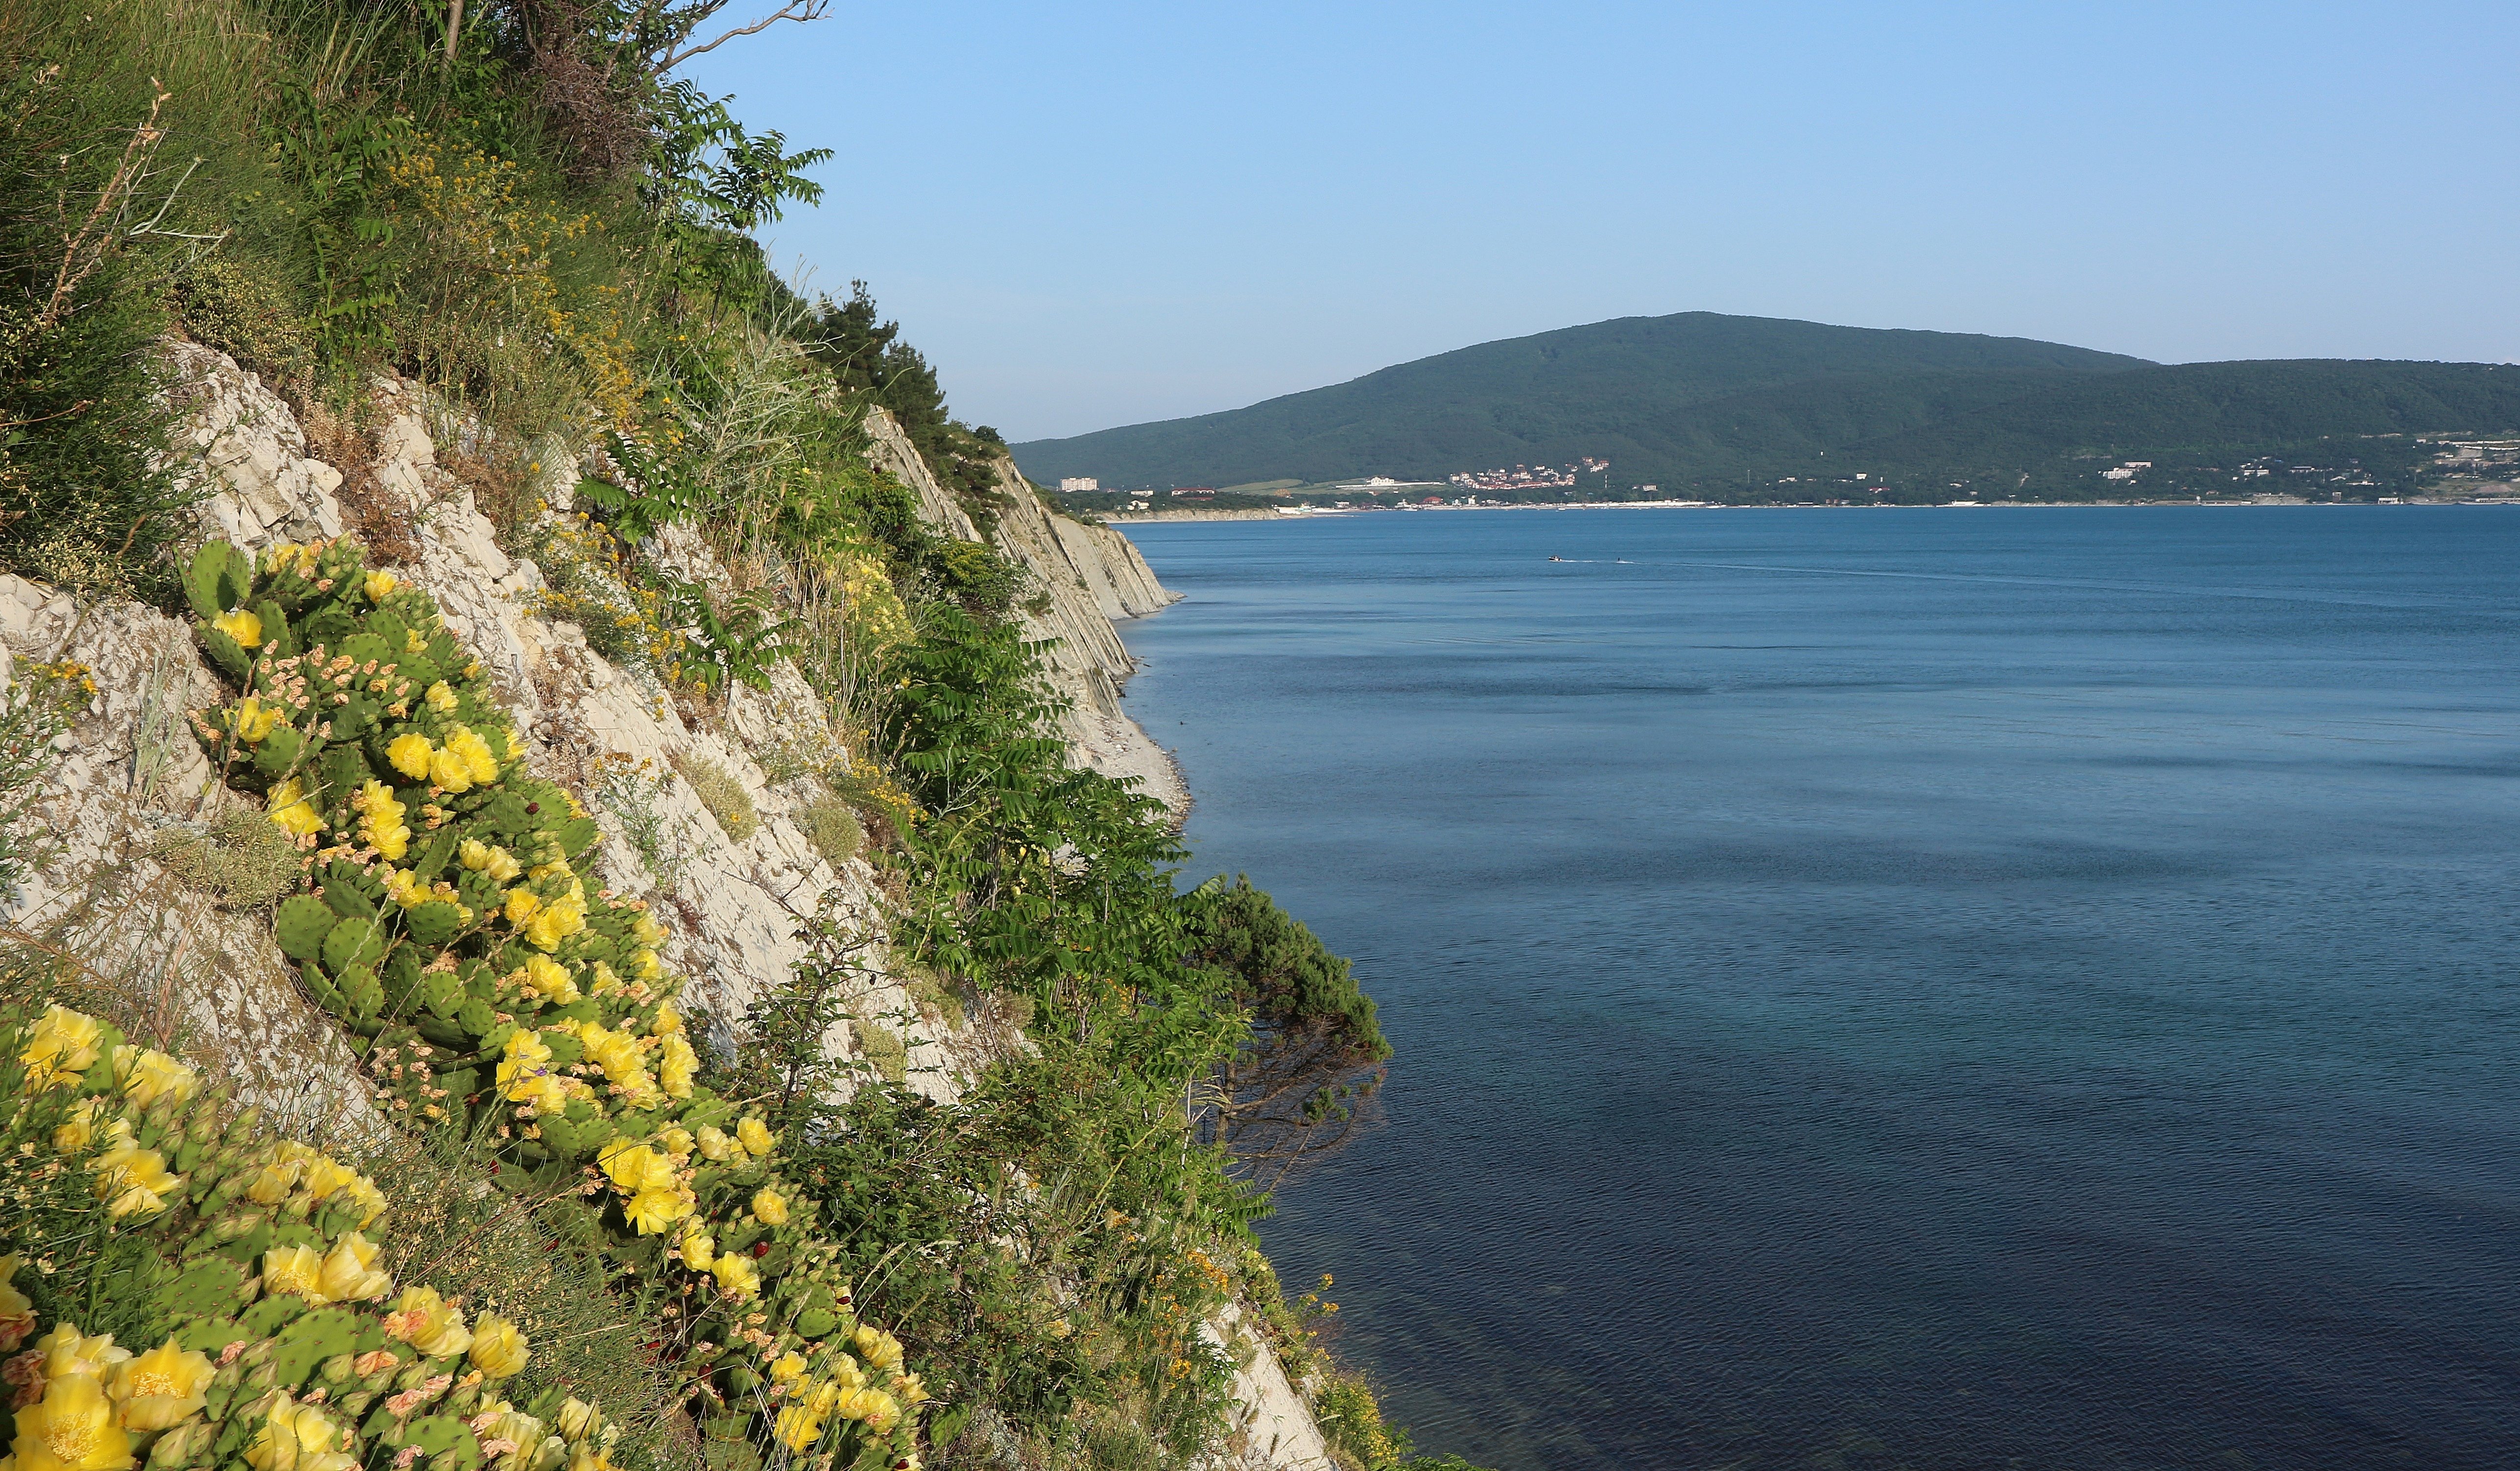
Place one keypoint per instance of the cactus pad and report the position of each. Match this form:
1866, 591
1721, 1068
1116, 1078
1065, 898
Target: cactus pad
302, 923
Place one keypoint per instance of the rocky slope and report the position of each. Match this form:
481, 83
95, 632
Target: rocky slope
129, 776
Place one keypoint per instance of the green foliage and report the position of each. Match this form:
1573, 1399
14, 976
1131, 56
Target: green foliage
866, 356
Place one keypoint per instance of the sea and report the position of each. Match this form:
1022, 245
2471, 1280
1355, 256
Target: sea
1939, 989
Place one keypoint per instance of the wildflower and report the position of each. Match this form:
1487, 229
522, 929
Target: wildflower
879, 1410
350, 1274
633, 1168
756, 1135
550, 980
72, 1429
241, 625
440, 697
523, 1070
498, 1348
161, 1388
255, 720
448, 768
648, 931
428, 1323
577, 1420
797, 1428
294, 1270
63, 1042
478, 763
410, 754
522, 906
651, 1212
16, 1311
880, 1349
404, 889
146, 1076
736, 1276
135, 1181
298, 1437
325, 1175
676, 1065
768, 1208
291, 811
908, 1389
383, 821
379, 586
714, 1144
787, 1367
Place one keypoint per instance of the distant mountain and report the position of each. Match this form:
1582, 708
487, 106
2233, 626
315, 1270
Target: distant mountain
1713, 403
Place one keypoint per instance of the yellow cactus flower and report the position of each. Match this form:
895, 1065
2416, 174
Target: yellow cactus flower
844, 1373
478, 763
633, 1168
546, 929
796, 1428
325, 1175
72, 1429
449, 770
876, 1408
350, 1273
134, 1181
787, 1367
503, 866
474, 854
768, 1208
697, 1248
77, 1132
379, 586
674, 1139
714, 1144
63, 1042
756, 1135
440, 697
736, 1276
676, 1066
16, 1310
410, 754
161, 1388
577, 1420
66, 1351
291, 811
523, 1066
363, 1193
653, 1211
646, 965
550, 980
648, 931
255, 720
241, 625
880, 1349
148, 1076
293, 1271
522, 905
498, 1348
428, 1323
404, 889
297, 1436
666, 1022
910, 1389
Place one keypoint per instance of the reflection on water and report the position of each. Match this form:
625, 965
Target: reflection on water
1895, 988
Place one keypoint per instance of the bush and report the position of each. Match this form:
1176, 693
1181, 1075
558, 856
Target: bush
832, 828
721, 794
239, 860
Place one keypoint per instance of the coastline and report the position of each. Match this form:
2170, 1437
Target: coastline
1117, 520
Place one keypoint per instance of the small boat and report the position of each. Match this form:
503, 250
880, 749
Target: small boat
1557, 558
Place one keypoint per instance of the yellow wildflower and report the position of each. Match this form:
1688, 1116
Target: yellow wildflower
291, 811
449, 770
241, 625
698, 1249
136, 1182
148, 1076
63, 1042
255, 720
577, 1420
16, 1310
648, 931
66, 1351
293, 1271
326, 1175
350, 1273
161, 1388
440, 697
676, 1065
550, 979
478, 763
873, 1405
768, 1208
522, 1069
633, 1168
796, 1427
668, 1020
77, 1132
404, 889
428, 1323
522, 905
298, 1437
379, 586
787, 1367
880, 1349
410, 753
498, 1348
655, 1211
756, 1135
910, 1389
736, 1276
71, 1429
714, 1144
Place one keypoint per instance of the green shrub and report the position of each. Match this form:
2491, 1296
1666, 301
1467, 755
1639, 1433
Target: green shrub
722, 793
239, 860
832, 828
882, 1049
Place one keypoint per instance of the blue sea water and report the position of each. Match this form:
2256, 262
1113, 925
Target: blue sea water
1876, 989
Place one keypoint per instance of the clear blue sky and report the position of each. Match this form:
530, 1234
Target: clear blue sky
1090, 214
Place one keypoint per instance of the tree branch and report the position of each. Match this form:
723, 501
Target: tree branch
798, 11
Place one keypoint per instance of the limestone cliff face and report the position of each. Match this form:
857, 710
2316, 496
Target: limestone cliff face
1091, 575
129, 773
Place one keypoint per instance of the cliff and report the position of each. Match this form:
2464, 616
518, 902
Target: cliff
703, 813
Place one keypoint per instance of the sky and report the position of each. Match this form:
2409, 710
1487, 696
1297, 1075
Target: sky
1090, 214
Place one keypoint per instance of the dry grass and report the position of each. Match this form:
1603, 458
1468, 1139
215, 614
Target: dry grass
832, 828
239, 860
721, 794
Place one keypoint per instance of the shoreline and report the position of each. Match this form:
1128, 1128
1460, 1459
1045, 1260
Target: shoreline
1159, 517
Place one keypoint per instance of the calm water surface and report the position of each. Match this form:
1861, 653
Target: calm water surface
1897, 989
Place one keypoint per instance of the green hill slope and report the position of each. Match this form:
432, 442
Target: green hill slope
1620, 389
1742, 407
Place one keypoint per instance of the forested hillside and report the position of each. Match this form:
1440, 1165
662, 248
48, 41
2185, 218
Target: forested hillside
550, 920
1741, 408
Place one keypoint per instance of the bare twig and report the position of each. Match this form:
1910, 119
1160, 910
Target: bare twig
798, 11
83, 251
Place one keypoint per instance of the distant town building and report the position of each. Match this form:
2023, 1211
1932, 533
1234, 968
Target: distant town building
1073, 484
